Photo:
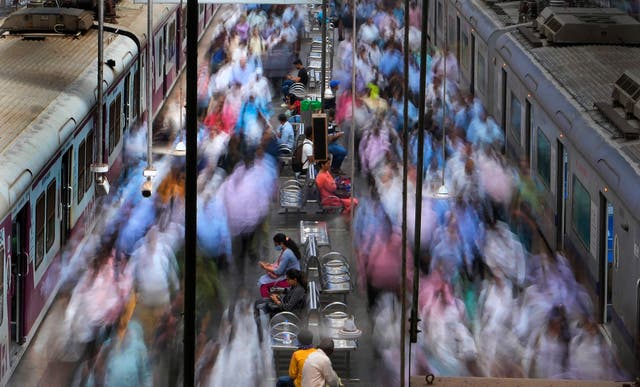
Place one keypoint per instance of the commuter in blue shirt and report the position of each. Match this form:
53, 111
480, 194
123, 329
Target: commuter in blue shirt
391, 62
285, 133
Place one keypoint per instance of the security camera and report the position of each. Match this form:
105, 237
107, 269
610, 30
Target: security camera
146, 188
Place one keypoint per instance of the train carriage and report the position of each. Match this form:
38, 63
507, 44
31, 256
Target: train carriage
48, 105
543, 94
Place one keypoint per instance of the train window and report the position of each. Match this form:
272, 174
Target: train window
112, 142
51, 214
543, 158
172, 41
136, 93
159, 61
451, 30
127, 100
581, 212
88, 176
45, 221
81, 171
40, 213
115, 122
515, 117
464, 52
481, 72
85, 156
458, 37
118, 119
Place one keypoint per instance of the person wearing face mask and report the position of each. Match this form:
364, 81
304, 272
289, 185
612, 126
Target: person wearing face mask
288, 258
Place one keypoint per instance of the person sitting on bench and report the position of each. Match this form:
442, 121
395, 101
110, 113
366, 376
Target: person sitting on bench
329, 193
289, 258
294, 298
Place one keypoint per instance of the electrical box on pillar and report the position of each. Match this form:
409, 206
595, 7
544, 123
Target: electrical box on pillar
320, 144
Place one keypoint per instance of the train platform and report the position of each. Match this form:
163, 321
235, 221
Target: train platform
357, 365
44, 363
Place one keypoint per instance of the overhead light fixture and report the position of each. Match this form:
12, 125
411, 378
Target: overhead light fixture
328, 93
443, 192
99, 168
180, 149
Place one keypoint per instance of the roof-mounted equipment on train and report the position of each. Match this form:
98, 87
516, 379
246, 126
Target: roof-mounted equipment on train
626, 92
624, 111
89, 5
588, 26
48, 20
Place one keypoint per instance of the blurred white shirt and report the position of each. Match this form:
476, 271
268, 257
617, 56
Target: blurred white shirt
318, 372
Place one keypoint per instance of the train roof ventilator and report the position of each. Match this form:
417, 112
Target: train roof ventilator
48, 20
625, 96
587, 26
626, 92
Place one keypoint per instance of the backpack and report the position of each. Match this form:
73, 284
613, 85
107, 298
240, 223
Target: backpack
296, 158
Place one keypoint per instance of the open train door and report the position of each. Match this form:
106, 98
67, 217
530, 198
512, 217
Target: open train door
607, 258
562, 168
16, 293
66, 197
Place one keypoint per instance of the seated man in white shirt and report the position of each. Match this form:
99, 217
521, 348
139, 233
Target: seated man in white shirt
307, 150
317, 370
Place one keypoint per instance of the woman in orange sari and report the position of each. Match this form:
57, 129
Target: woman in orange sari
329, 194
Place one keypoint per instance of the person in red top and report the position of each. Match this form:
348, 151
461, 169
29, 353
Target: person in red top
293, 104
328, 189
214, 120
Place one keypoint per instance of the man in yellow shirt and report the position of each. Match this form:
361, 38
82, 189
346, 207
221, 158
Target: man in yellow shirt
305, 348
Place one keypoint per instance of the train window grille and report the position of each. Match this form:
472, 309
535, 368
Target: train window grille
581, 212
172, 41
118, 119
115, 123
40, 214
458, 37
451, 37
158, 62
88, 177
481, 72
45, 221
81, 169
136, 93
464, 51
51, 215
85, 157
111, 127
543, 158
516, 118
127, 100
